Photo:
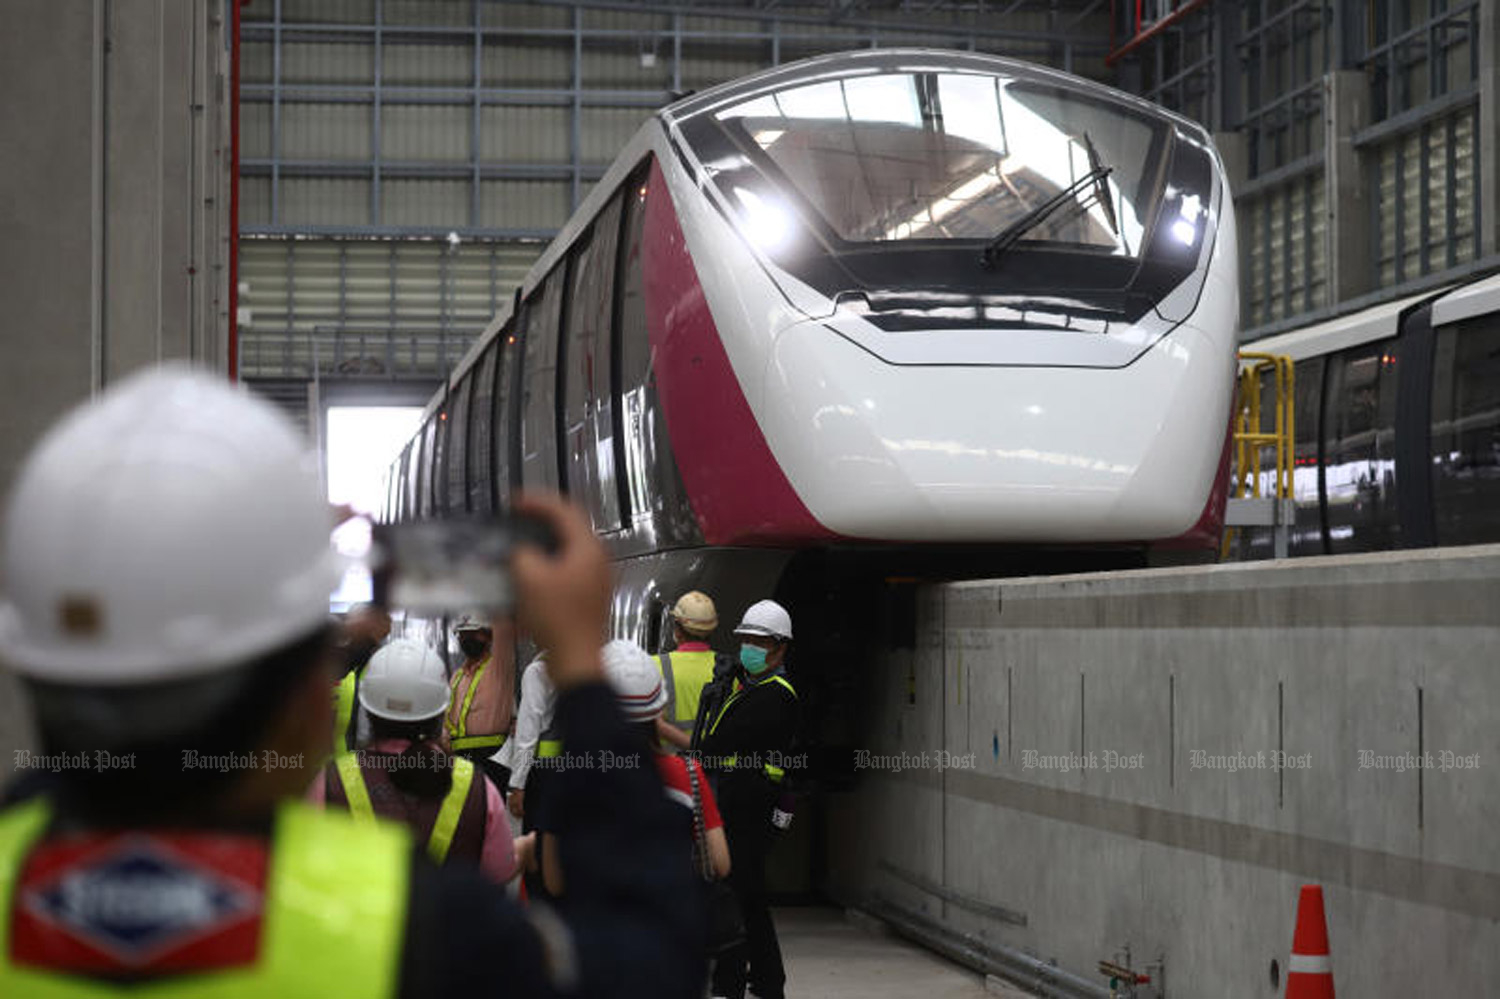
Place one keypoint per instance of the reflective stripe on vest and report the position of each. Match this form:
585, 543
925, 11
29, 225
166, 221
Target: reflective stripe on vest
548, 748
685, 674
443, 828
334, 915
458, 737
775, 774
775, 677
343, 711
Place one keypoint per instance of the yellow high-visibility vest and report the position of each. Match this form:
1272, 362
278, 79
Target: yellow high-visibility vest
333, 925
685, 673
446, 825
774, 773
458, 735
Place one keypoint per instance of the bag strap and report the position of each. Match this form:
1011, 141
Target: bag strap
700, 836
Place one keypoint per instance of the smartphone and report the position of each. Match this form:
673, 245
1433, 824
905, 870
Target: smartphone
432, 567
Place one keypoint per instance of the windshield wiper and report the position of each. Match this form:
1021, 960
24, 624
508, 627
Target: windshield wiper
1069, 195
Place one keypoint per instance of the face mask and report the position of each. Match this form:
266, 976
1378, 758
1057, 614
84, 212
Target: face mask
472, 645
753, 658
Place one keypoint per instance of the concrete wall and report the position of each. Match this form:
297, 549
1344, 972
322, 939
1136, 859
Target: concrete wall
114, 217
1150, 678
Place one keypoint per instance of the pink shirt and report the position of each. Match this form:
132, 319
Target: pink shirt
493, 703
497, 858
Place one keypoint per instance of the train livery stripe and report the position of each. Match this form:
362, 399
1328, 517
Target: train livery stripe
737, 490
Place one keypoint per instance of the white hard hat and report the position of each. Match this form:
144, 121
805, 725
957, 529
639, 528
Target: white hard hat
695, 611
405, 681
766, 617
472, 622
172, 528
636, 679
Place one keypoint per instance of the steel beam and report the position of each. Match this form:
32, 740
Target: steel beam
1348, 237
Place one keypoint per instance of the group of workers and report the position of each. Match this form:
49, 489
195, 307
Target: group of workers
404, 712
166, 571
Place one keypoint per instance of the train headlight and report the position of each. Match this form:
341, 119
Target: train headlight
766, 221
1186, 227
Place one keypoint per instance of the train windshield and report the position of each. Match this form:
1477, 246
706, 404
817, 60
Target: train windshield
948, 156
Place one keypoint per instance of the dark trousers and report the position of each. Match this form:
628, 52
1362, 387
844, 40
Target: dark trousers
746, 801
498, 775
536, 800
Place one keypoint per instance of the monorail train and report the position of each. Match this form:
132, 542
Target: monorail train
862, 318
1397, 422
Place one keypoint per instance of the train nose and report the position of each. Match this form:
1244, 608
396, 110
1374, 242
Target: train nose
957, 452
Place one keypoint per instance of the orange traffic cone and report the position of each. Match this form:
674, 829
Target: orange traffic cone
1309, 974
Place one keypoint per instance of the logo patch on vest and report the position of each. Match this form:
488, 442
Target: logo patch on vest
140, 904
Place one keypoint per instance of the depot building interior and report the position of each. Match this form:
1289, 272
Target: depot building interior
353, 208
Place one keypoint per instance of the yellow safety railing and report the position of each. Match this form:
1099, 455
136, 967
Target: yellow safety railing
1250, 440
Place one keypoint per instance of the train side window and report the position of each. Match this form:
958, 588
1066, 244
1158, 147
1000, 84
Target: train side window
1466, 431
481, 420
440, 460
655, 491
588, 412
1360, 473
424, 468
399, 508
413, 463
456, 498
508, 409
539, 384
1307, 532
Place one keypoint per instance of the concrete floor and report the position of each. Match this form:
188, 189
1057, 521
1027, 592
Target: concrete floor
828, 957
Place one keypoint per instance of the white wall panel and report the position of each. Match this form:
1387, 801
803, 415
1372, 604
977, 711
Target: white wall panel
532, 62
257, 62
414, 65
328, 11
327, 62
424, 202
325, 131
444, 12
605, 130
325, 201
255, 201
524, 204
425, 132
515, 15
255, 130
524, 134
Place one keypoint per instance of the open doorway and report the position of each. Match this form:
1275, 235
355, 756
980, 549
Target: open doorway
362, 441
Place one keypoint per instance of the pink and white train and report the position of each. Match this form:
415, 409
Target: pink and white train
871, 316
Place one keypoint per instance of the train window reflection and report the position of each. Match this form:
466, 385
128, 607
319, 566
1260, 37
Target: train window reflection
930, 156
1466, 431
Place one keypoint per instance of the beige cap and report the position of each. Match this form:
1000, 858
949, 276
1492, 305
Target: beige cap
695, 612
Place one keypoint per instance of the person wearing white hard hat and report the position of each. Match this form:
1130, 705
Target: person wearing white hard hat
749, 738
483, 705
167, 567
688, 667
403, 774
642, 695
362, 630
